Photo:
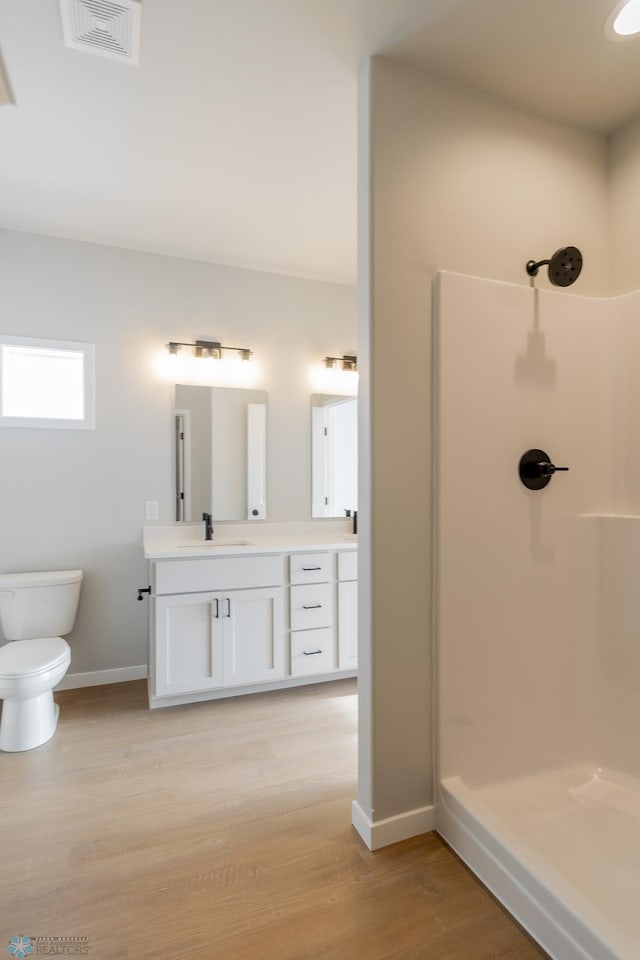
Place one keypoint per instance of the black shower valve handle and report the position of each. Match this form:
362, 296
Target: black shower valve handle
548, 469
536, 469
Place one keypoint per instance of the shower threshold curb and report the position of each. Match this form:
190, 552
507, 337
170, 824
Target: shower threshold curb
545, 905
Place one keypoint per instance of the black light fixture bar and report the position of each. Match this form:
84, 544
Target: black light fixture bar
211, 349
348, 362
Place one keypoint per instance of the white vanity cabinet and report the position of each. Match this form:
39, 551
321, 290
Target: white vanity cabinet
202, 641
234, 624
347, 611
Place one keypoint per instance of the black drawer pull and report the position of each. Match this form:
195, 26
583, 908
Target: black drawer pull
311, 606
311, 653
309, 569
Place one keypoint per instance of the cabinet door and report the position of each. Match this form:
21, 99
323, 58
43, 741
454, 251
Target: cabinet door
348, 625
253, 630
188, 644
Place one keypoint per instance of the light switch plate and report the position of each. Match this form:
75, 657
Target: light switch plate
151, 510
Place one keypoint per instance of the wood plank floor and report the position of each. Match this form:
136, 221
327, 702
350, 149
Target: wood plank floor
222, 830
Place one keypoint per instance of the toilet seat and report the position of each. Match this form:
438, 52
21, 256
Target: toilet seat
29, 658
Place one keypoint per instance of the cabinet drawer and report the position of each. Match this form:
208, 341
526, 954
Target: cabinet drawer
217, 573
311, 652
311, 606
310, 567
348, 565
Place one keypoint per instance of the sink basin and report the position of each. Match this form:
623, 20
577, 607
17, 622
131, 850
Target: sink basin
212, 544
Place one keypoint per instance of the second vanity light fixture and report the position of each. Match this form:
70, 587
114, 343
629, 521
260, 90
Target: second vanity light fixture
348, 363
208, 349
336, 375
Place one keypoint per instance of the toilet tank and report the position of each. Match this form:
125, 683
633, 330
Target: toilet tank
38, 604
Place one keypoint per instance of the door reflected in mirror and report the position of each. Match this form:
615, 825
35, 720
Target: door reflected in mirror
220, 447
334, 455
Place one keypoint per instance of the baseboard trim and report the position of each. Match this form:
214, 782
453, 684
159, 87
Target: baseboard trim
222, 693
96, 678
382, 833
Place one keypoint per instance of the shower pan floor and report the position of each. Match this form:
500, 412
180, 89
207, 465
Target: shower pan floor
570, 839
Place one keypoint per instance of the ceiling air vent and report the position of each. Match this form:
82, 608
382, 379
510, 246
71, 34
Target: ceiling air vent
108, 28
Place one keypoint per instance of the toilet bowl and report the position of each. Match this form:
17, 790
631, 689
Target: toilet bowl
29, 670
34, 607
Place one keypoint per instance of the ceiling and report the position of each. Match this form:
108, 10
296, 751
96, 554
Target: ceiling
234, 140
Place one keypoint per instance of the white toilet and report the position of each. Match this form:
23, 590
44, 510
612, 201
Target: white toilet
36, 609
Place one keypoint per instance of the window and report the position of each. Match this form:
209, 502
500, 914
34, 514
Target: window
46, 383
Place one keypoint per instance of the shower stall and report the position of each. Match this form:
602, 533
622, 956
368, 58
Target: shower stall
537, 605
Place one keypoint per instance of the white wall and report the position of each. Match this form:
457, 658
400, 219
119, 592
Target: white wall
624, 148
457, 182
76, 498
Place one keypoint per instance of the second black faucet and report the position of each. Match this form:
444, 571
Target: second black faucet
354, 515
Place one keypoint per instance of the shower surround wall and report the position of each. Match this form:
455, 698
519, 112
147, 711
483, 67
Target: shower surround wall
537, 608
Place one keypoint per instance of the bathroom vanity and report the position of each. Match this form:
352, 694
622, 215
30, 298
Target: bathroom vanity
259, 607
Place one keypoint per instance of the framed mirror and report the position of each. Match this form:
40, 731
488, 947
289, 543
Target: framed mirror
334, 455
220, 453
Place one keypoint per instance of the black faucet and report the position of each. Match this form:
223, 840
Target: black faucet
208, 526
353, 514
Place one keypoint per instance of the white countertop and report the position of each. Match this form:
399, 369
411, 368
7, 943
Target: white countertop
184, 541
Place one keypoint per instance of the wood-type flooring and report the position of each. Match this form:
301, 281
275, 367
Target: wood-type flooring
222, 830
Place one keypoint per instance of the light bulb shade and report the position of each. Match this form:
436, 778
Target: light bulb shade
209, 349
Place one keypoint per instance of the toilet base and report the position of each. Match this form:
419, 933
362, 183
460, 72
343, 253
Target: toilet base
27, 724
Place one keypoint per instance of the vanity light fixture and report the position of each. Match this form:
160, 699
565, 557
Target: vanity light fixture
206, 362
207, 349
624, 20
336, 375
348, 363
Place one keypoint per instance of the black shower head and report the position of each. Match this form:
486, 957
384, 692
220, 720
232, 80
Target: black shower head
564, 266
